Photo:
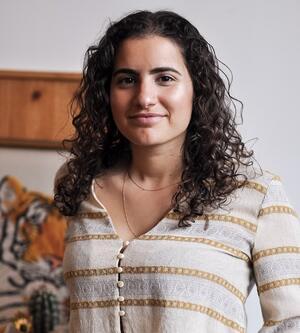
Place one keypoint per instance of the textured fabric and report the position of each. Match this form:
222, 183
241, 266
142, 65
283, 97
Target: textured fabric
191, 279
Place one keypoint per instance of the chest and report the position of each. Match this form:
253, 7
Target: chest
166, 263
133, 213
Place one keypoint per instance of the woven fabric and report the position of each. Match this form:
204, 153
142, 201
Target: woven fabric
191, 279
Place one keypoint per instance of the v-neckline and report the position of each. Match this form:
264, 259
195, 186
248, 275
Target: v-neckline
101, 206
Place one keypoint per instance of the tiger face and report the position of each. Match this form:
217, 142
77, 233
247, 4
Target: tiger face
12, 195
34, 229
43, 229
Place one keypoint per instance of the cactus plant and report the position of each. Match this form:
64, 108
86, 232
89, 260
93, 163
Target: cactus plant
44, 309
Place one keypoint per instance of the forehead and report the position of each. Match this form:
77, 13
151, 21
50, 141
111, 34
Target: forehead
149, 51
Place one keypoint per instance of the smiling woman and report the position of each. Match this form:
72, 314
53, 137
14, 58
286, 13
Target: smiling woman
170, 225
145, 92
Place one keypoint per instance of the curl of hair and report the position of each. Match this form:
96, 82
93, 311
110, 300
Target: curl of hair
213, 150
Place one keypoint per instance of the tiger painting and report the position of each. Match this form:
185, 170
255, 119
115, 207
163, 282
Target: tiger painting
31, 250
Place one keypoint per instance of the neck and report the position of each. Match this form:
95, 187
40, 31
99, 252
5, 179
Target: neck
155, 167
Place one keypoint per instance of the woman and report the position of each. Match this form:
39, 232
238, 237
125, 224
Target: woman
169, 227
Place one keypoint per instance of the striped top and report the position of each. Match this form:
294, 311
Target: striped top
191, 279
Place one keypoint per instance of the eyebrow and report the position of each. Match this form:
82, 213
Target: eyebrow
152, 71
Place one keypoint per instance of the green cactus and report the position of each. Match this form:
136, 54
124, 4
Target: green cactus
44, 309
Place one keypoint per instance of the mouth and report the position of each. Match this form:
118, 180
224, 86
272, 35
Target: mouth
147, 120
147, 115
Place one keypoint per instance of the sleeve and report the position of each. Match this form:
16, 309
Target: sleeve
62, 171
276, 261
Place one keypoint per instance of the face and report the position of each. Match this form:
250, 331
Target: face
151, 92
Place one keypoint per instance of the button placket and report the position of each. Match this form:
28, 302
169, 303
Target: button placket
120, 283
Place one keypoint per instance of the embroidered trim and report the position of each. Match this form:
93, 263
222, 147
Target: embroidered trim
93, 304
269, 323
90, 272
278, 283
92, 215
292, 322
92, 236
219, 217
274, 176
213, 243
256, 186
163, 303
186, 271
276, 250
159, 269
176, 216
277, 209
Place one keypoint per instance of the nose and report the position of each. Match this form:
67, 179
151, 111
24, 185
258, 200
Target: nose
146, 95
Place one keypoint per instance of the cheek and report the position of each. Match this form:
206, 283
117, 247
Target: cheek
117, 106
180, 100
182, 94
119, 100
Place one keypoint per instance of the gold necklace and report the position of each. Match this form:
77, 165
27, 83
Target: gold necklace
145, 189
123, 201
123, 197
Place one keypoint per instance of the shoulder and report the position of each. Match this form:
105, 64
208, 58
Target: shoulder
59, 174
259, 176
273, 198
251, 195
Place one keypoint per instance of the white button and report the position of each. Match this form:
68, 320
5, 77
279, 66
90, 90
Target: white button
126, 243
122, 313
120, 256
121, 298
120, 284
119, 269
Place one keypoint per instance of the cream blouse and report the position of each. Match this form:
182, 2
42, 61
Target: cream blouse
191, 279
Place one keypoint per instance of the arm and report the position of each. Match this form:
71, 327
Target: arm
276, 261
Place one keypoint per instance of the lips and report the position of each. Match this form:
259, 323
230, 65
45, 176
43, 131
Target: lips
146, 120
147, 115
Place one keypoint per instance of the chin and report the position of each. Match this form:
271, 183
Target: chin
147, 143
154, 138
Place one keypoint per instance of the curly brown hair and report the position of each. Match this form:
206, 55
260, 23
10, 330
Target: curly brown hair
213, 150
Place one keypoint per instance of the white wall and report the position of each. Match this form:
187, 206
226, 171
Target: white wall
259, 40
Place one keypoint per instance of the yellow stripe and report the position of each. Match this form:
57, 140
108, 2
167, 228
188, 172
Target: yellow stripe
162, 303
256, 186
219, 217
93, 304
235, 220
186, 271
277, 209
158, 269
269, 323
276, 250
90, 272
278, 284
92, 215
274, 176
206, 241
92, 236
176, 216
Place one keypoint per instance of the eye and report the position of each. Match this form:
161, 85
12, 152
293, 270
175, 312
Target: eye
125, 81
165, 79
